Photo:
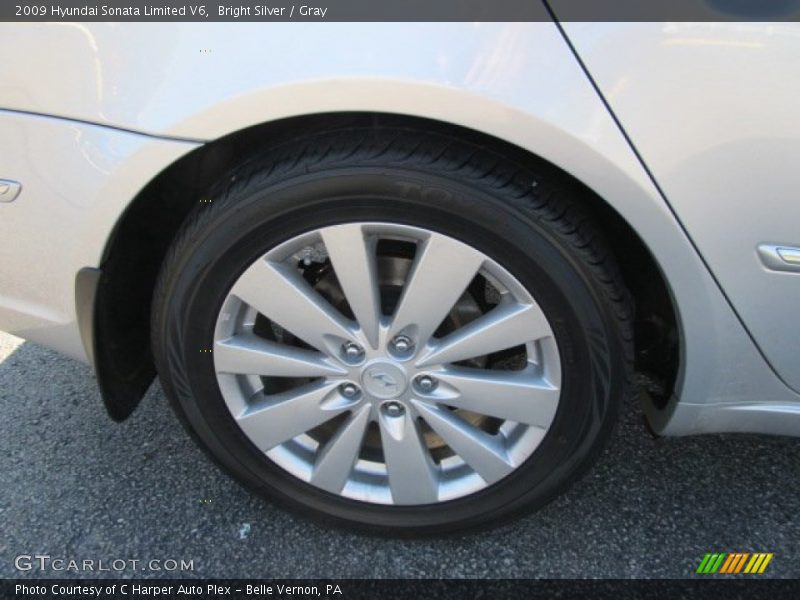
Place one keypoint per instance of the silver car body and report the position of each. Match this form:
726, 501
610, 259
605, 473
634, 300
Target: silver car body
689, 131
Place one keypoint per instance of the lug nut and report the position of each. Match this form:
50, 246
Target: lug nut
425, 383
352, 352
393, 409
349, 390
402, 344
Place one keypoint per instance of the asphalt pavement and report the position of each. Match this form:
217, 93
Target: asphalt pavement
75, 485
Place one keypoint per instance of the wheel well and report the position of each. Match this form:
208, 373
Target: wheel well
141, 238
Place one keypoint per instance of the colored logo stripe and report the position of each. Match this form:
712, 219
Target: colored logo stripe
710, 563
734, 562
758, 563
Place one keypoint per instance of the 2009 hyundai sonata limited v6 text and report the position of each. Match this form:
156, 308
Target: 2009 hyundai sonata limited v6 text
401, 277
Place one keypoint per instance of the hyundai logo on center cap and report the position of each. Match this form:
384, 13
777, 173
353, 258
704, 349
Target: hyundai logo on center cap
384, 380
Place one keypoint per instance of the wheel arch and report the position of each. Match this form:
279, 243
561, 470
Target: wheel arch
142, 235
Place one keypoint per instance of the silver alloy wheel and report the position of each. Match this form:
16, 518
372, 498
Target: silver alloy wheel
387, 363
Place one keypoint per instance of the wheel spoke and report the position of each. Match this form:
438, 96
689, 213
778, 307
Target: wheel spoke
504, 327
515, 395
412, 474
335, 461
249, 354
442, 271
283, 416
354, 262
279, 293
483, 452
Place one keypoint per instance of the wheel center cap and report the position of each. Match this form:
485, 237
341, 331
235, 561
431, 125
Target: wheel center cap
384, 380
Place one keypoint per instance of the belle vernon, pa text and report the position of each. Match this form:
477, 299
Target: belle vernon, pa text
66, 12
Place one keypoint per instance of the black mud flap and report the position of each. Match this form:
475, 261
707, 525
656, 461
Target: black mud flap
115, 343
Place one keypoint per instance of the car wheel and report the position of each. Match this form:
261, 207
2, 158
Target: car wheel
395, 330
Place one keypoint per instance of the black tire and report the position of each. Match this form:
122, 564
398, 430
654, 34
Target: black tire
528, 218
